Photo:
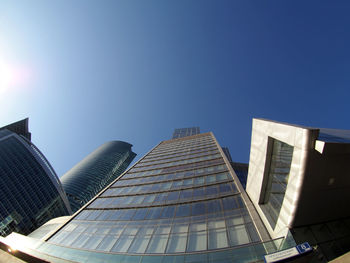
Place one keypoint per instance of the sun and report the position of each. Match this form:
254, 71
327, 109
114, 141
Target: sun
12, 76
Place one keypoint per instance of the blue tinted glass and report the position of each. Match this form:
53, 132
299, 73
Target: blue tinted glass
211, 190
214, 206
127, 215
173, 196
154, 213
198, 192
183, 210
224, 188
198, 208
140, 214
229, 203
168, 212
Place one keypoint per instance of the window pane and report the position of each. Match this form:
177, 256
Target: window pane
92, 242
154, 213
80, 241
198, 209
183, 210
238, 235
123, 244
198, 226
127, 215
197, 241
116, 214
140, 214
177, 243
217, 238
199, 181
157, 244
216, 223
180, 228
107, 243
214, 206
173, 196
140, 244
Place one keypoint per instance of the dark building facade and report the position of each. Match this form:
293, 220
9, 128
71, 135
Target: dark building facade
183, 132
241, 170
30, 191
86, 179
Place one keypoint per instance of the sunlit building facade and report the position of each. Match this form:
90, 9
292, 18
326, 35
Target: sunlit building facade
181, 202
30, 191
91, 175
299, 183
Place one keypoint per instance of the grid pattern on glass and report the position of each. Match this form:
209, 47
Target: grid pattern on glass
248, 253
176, 176
212, 232
166, 197
178, 173
178, 147
183, 208
167, 170
281, 159
171, 144
175, 163
156, 186
178, 157
179, 153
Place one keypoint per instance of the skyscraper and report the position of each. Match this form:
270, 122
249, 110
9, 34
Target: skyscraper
86, 179
30, 191
181, 202
183, 132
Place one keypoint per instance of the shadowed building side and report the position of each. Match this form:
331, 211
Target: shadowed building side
30, 191
96, 171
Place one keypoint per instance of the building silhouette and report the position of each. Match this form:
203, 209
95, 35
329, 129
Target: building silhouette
30, 191
86, 179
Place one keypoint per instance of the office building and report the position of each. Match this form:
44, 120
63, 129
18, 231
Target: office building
241, 170
86, 179
30, 191
183, 202
183, 132
299, 183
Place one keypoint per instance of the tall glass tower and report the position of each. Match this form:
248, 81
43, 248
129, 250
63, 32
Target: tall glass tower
30, 191
181, 202
86, 179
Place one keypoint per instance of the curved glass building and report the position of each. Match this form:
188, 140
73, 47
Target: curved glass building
86, 179
30, 191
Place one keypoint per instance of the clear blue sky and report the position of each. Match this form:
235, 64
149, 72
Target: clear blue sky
86, 72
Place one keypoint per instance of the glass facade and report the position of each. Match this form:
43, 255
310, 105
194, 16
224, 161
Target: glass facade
30, 191
85, 180
281, 159
183, 132
179, 203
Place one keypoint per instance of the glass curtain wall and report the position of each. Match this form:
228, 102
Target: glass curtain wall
180, 200
281, 160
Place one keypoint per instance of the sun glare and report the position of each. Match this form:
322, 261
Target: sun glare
12, 77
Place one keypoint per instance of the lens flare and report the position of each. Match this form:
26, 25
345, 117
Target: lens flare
13, 76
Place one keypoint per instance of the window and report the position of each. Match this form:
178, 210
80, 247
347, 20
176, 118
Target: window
275, 182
